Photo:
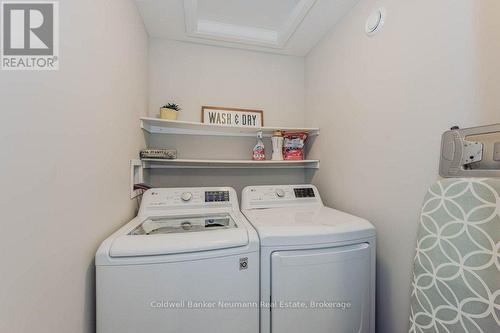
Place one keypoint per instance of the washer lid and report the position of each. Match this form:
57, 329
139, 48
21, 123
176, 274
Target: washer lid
180, 234
158, 225
307, 226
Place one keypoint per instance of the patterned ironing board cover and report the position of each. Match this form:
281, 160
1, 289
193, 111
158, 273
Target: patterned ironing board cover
456, 277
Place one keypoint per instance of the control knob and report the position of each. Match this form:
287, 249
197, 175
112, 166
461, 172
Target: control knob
186, 196
280, 193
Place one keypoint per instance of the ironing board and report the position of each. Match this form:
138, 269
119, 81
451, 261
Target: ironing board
456, 276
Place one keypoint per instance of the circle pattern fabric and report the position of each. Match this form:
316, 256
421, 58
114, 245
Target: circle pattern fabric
456, 277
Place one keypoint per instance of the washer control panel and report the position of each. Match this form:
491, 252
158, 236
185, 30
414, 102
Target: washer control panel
279, 196
166, 198
304, 192
216, 196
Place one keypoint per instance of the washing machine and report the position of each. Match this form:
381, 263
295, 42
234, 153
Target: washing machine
317, 263
189, 262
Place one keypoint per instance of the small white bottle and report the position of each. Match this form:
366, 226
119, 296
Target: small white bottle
277, 141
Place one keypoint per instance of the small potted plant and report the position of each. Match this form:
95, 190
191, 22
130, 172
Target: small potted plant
169, 111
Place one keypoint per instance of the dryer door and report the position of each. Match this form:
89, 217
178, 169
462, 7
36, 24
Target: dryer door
321, 290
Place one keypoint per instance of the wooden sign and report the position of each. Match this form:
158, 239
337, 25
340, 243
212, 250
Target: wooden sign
232, 117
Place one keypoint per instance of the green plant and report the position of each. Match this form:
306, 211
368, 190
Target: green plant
172, 106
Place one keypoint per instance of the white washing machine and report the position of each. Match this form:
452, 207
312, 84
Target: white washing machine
317, 264
189, 262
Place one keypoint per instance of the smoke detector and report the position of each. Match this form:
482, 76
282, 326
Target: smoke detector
375, 21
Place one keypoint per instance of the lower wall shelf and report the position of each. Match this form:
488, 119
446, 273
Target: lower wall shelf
233, 164
137, 167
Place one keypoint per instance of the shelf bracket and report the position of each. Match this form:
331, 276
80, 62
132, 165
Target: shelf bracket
136, 177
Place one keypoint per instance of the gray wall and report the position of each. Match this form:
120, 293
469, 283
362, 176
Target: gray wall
66, 141
383, 103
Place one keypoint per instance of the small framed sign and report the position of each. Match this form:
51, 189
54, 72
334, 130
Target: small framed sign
232, 117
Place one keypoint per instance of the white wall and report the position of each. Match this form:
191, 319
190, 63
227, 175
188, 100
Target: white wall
193, 75
382, 104
487, 25
66, 138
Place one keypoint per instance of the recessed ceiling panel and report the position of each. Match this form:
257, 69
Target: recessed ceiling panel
278, 26
258, 22
263, 14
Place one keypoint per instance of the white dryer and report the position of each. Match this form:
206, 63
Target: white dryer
317, 263
189, 262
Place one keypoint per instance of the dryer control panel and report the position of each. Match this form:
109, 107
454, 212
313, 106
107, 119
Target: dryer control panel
279, 196
158, 199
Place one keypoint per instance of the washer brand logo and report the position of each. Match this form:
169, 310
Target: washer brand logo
243, 263
30, 35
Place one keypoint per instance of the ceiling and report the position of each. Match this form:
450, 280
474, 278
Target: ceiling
280, 26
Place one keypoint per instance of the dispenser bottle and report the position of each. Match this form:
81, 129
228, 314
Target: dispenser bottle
259, 153
277, 141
